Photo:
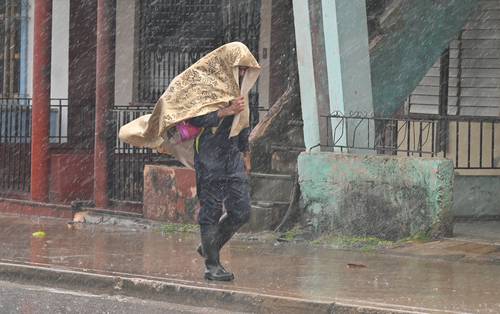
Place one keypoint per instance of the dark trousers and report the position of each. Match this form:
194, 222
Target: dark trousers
234, 193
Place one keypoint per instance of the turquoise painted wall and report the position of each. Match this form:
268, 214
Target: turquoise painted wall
383, 196
416, 36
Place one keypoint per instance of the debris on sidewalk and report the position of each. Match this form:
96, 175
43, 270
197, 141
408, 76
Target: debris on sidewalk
39, 234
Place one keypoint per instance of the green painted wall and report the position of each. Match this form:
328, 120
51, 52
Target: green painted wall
412, 38
383, 196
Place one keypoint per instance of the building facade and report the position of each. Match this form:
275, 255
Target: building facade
74, 71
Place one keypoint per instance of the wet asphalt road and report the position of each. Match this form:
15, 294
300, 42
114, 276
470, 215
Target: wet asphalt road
26, 299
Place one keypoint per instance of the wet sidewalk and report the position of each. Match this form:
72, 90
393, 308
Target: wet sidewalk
412, 284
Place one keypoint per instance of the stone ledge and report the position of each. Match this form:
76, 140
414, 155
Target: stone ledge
170, 194
387, 197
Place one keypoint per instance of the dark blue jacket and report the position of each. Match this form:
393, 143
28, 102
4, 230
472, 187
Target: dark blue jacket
217, 156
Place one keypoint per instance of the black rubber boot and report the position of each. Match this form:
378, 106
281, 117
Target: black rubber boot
210, 249
227, 229
225, 234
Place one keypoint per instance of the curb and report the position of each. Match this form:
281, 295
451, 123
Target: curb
31, 208
157, 290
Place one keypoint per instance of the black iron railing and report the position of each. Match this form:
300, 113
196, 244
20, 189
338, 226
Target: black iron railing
127, 162
469, 141
15, 144
15, 139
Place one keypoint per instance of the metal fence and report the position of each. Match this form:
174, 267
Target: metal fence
15, 139
469, 141
15, 144
127, 162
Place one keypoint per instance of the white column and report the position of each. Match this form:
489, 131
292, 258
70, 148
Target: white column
348, 64
264, 51
124, 68
306, 73
60, 49
31, 28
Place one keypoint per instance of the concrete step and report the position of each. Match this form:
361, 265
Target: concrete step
265, 216
271, 187
296, 122
270, 200
284, 159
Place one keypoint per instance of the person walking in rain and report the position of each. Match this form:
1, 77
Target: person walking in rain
203, 120
221, 176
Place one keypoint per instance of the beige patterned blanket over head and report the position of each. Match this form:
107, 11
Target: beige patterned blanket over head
206, 86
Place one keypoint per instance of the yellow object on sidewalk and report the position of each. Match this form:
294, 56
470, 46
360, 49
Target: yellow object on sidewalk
39, 234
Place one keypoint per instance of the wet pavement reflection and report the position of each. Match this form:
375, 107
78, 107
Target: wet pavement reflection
278, 269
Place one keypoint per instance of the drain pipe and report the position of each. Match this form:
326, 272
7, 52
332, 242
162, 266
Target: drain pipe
291, 205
